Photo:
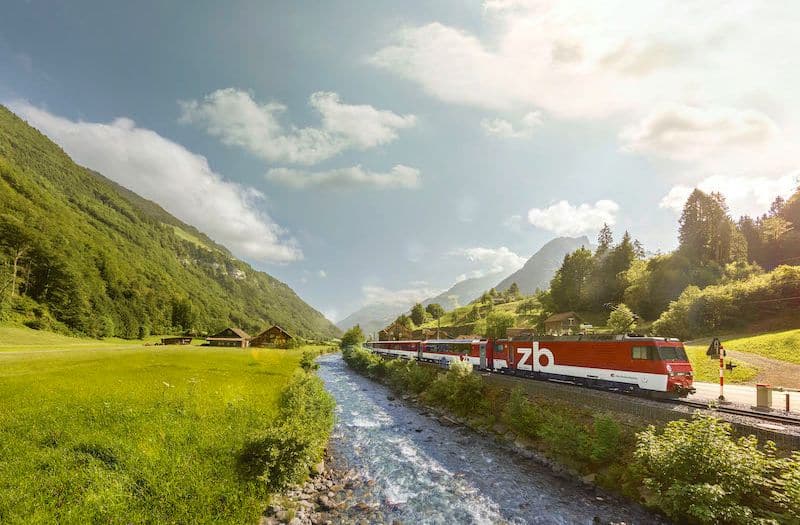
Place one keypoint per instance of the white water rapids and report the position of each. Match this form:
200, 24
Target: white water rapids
421, 471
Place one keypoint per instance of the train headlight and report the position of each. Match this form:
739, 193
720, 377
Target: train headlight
669, 369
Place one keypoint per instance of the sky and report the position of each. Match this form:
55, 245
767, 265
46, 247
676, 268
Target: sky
380, 151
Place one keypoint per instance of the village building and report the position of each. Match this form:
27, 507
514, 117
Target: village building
275, 336
231, 337
395, 332
176, 340
562, 323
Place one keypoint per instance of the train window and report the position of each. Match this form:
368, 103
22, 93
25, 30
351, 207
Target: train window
498, 348
672, 353
649, 353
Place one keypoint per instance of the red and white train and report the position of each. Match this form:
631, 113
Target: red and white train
624, 363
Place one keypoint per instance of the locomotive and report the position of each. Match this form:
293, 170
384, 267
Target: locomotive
628, 363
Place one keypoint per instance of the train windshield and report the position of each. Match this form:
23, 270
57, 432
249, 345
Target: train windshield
672, 353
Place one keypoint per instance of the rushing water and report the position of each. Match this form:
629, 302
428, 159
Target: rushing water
420, 471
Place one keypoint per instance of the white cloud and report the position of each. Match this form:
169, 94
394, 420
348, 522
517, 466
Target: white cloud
499, 127
180, 181
238, 120
721, 95
401, 298
344, 178
322, 274
744, 195
491, 260
563, 218
691, 133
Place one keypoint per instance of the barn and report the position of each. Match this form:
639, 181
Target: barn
231, 337
275, 336
562, 323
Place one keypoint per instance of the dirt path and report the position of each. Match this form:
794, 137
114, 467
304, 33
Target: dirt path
776, 373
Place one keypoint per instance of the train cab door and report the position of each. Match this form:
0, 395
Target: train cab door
483, 355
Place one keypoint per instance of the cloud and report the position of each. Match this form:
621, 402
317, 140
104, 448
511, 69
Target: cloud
491, 260
180, 181
237, 120
322, 274
563, 218
691, 133
744, 195
499, 127
346, 178
401, 298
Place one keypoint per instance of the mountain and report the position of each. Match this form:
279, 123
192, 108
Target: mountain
81, 254
464, 292
538, 271
373, 317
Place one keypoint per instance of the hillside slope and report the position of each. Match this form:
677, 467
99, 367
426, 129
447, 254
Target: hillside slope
97, 259
464, 292
538, 271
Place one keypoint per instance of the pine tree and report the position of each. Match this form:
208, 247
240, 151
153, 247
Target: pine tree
604, 240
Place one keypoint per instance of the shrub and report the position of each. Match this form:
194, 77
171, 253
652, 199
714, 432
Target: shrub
566, 438
606, 444
522, 416
787, 487
284, 453
308, 361
621, 319
732, 305
458, 390
699, 474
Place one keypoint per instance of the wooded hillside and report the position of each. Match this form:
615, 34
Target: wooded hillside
80, 254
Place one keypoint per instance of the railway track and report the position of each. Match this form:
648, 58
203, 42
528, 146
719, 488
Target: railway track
784, 419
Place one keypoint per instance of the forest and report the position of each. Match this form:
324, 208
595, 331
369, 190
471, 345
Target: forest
724, 275
81, 255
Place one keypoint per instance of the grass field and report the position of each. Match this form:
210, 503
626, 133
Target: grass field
707, 369
116, 432
782, 346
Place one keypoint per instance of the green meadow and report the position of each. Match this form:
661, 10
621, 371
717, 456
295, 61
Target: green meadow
119, 432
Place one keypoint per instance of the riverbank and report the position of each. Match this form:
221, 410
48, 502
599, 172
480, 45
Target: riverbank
415, 465
693, 470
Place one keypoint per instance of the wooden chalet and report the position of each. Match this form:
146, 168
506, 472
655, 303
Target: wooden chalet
563, 323
275, 336
395, 332
231, 337
176, 340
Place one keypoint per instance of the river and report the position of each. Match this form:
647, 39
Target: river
420, 471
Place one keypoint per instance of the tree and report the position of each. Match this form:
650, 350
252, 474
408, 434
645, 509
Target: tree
604, 240
528, 306
497, 324
513, 290
435, 310
621, 320
353, 337
404, 321
474, 314
568, 286
705, 229
418, 314
15, 240
183, 314
486, 297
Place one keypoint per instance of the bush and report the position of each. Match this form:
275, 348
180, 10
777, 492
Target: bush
522, 416
284, 454
726, 307
308, 361
787, 491
621, 320
606, 444
566, 438
459, 390
699, 474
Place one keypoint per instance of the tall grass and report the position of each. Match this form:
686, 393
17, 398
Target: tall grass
135, 434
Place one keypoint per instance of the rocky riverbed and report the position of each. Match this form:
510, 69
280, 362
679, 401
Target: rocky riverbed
395, 462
